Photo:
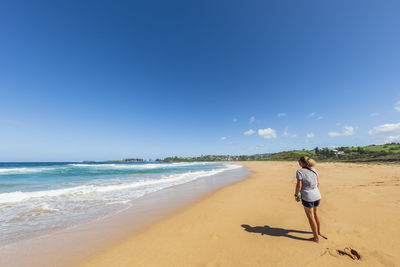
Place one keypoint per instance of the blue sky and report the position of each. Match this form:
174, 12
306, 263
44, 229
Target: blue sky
96, 80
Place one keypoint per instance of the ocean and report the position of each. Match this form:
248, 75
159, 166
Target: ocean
40, 198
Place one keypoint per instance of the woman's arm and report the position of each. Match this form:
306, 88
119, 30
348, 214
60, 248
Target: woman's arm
297, 190
317, 181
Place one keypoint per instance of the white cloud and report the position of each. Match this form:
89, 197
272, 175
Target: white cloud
235, 119
334, 134
385, 128
312, 114
374, 114
397, 106
281, 115
285, 131
348, 130
223, 138
267, 133
310, 135
249, 132
260, 146
392, 139
252, 119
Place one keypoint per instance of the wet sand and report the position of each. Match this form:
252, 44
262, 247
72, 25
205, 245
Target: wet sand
257, 222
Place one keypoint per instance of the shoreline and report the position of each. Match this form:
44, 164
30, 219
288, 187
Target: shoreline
256, 222
75, 244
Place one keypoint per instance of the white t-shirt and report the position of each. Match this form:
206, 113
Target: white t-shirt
309, 190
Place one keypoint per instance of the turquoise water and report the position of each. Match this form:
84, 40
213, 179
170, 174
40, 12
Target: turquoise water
37, 198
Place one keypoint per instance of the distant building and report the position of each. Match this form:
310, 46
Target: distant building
338, 152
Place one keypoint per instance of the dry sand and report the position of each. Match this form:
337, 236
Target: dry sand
359, 211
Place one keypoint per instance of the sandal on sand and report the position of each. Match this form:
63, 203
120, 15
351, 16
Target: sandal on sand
323, 236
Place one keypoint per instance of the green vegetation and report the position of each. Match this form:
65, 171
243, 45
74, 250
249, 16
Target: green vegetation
372, 153
219, 158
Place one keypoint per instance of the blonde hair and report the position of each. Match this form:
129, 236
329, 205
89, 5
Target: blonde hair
307, 161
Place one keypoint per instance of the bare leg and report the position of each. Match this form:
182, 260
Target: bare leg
318, 222
313, 224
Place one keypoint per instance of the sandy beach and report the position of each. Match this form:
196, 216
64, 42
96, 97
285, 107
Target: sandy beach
256, 222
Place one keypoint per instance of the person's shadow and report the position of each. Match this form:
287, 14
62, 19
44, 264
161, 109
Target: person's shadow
271, 231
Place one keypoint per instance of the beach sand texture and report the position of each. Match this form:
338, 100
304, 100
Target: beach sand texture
257, 222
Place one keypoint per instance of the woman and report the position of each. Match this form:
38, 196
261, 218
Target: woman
307, 190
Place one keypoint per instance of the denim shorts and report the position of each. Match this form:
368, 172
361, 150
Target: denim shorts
310, 204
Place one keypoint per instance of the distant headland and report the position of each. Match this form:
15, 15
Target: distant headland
371, 153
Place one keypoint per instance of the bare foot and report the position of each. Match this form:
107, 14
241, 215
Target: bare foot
316, 240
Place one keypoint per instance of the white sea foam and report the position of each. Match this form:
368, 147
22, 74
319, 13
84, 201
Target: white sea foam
24, 170
165, 181
139, 166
